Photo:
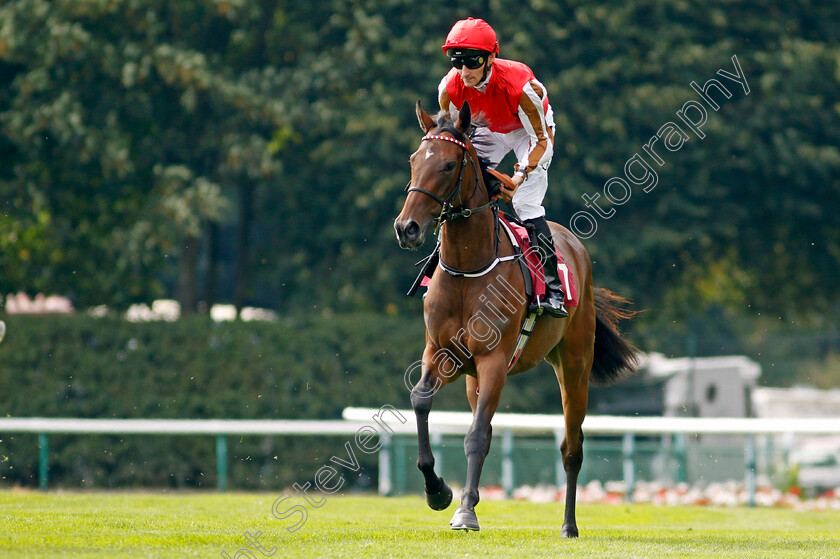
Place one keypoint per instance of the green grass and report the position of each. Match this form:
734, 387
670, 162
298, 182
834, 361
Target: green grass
113, 525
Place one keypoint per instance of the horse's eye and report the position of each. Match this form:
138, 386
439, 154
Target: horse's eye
449, 167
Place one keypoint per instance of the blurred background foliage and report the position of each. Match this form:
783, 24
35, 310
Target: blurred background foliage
254, 153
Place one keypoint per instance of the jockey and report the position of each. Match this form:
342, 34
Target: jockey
515, 115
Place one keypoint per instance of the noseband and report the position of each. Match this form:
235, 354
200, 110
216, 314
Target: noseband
448, 211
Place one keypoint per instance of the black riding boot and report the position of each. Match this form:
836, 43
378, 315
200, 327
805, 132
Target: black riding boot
554, 296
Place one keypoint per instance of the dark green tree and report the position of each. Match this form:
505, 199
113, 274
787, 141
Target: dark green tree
142, 143
127, 128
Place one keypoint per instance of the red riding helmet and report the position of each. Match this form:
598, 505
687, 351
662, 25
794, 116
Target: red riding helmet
472, 34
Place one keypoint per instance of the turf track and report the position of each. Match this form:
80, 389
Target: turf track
113, 525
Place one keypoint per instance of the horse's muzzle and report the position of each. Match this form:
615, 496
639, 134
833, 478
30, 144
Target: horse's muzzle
409, 233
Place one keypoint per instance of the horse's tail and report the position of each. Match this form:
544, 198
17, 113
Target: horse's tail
615, 357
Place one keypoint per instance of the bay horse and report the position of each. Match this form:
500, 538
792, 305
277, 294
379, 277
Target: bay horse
468, 333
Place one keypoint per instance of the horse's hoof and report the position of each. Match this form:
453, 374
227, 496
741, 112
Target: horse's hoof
464, 520
569, 532
441, 499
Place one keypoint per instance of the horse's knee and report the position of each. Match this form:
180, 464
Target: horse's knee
421, 399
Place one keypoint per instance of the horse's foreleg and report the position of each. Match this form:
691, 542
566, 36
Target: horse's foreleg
438, 493
477, 441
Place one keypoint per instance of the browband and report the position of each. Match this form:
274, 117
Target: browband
447, 138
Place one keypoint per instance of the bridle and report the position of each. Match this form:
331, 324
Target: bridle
448, 211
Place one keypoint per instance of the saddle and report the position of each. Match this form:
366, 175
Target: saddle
521, 240
527, 257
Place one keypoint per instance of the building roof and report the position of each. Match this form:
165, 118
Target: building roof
658, 365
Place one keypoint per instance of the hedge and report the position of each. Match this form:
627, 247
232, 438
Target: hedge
297, 367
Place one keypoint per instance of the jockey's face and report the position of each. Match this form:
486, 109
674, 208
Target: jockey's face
472, 78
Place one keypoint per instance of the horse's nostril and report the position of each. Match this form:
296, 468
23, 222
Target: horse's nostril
412, 230
409, 233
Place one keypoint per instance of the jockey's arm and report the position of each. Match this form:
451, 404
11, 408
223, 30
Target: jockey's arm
533, 116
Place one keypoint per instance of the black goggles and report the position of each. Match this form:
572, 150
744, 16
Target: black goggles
471, 62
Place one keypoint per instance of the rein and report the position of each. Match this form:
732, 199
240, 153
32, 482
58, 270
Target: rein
448, 211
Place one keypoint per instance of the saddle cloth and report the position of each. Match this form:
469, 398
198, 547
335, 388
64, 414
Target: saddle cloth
521, 241
520, 238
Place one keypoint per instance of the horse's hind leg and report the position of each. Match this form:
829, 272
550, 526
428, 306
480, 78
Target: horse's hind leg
573, 375
438, 493
472, 391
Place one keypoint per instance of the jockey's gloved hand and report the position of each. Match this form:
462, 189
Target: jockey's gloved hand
506, 186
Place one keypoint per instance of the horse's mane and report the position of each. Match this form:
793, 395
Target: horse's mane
445, 123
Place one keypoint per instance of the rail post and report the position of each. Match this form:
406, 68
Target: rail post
43, 461
221, 463
628, 451
507, 462
682, 461
749, 464
385, 484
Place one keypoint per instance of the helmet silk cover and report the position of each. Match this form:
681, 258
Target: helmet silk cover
471, 34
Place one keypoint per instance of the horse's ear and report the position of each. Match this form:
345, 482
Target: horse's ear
464, 116
426, 122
